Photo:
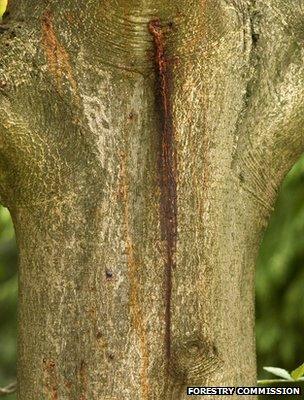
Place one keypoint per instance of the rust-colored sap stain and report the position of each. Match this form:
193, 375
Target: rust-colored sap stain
70, 17
58, 60
51, 379
83, 379
167, 170
68, 385
135, 309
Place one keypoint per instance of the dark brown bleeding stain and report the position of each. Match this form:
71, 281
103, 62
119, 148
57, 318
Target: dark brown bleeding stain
167, 168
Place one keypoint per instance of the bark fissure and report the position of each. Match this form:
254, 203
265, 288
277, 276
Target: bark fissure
168, 167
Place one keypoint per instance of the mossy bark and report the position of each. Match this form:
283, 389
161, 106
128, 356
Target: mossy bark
141, 147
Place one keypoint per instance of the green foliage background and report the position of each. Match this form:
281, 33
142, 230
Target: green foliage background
8, 300
280, 280
279, 285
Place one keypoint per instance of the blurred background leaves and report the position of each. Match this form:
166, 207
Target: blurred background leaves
280, 280
279, 285
8, 300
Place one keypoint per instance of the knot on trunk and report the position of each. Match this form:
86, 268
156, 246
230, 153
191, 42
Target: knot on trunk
194, 360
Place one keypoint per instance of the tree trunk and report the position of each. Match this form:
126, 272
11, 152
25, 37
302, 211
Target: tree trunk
142, 144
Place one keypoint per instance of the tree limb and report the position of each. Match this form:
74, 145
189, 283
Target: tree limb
11, 388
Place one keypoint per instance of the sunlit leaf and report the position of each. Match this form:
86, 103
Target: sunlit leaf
282, 373
298, 372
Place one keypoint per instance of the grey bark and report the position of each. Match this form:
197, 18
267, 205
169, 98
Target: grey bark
140, 179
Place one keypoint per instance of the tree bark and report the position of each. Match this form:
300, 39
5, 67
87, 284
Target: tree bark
142, 145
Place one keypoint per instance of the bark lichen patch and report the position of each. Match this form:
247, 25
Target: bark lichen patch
167, 169
135, 308
58, 60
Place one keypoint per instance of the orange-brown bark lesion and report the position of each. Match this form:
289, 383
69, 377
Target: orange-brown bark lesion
50, 379
137, 316
58, 60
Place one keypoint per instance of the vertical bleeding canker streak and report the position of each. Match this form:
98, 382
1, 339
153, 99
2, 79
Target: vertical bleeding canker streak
168, 167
